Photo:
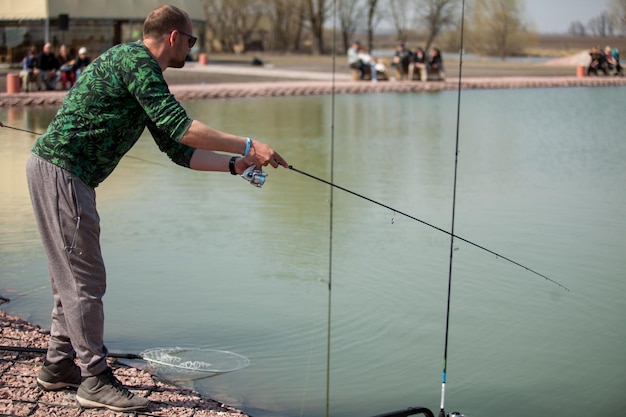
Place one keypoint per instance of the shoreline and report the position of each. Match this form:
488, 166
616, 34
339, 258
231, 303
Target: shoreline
20, 396
306, 88
286, 78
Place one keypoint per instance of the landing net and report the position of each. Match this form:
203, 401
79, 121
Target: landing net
196, 359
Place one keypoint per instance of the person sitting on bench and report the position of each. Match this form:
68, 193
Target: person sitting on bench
418, 65
354, 61
401, 60
48, 67
29, 68
368, 62
598, 62
435, 63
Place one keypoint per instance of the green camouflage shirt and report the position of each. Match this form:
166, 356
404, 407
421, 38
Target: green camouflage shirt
117, 96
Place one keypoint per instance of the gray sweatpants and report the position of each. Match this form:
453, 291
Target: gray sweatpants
69, 224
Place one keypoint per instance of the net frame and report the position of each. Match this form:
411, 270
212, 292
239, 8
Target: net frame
205, 360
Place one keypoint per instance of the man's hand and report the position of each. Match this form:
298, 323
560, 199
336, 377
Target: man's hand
262, 155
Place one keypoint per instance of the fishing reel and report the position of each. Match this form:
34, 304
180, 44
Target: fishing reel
254, 176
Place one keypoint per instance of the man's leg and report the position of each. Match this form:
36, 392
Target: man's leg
65, 210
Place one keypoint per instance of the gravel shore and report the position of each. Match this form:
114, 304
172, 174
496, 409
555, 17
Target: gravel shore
19, 395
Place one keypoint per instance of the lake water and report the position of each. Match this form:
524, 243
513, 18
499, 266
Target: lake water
198, 259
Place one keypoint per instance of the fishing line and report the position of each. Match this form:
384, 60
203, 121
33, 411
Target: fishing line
39, 134
396, 211
444, 373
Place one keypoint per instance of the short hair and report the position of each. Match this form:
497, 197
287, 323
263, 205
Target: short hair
163, 19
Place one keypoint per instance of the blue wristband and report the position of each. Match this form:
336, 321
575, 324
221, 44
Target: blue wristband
248, 143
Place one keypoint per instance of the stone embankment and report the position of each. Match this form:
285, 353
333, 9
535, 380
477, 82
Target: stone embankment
312, 87
272, 82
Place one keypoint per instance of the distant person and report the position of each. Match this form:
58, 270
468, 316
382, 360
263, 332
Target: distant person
435, 63
419, 64
368, 62
29, 68
401, 60
597, 62
619, 68
81, 62
354, 61
48, 66
66, 68
612, 59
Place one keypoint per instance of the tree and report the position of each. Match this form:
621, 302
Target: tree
286, 19
233, 22
349, 14
436, 15
577, 29
495, 27
401, 13
315, 12
373, 17
618, 12
601, 25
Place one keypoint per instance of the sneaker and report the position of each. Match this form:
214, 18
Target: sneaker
105, 390
56, 376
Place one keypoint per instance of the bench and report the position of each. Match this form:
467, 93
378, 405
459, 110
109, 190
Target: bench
412, 75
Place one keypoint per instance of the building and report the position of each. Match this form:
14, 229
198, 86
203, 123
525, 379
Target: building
94, 24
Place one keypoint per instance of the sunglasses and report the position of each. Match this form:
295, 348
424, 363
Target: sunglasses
192, 39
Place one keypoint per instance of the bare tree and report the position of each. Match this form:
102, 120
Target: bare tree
233, 22
577, 29
601, 25
495, 27
402, 12
618, 12
349, 13
315, 12
373, 17
286, 24
436, 15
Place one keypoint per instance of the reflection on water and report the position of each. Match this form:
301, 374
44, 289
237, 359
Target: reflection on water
207, 260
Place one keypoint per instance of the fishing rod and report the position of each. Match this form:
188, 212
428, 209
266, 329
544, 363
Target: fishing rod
371, 201
444, 373
331, 220
39, 134
498, 255
21, 349
17, 128
184, 359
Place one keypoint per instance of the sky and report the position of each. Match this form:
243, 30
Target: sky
555, 16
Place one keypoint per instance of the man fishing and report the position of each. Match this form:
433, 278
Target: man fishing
117, 96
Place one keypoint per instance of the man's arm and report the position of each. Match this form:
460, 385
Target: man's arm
204, 137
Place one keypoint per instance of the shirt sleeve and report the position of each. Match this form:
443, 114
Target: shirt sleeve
179, 153
144, 80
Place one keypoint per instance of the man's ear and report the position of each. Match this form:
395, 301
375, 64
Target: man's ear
172, 37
